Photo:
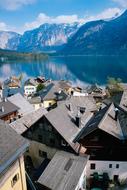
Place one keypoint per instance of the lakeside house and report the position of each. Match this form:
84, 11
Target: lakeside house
12, 149
30, 87
53, 92
12, 82
96, 91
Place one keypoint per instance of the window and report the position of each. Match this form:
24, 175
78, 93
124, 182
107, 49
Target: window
42, 154
63, 143
92, 166
14, 180
40, 137
52, 141
110, 165
117, 165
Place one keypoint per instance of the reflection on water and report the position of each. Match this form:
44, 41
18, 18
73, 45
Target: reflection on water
79, 70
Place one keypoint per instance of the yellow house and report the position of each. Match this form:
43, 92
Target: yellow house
12, 148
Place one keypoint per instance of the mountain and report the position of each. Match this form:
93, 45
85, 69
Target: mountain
99, 38
9, 40
48, 37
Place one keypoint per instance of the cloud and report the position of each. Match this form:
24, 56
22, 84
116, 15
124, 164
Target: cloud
14, 4
122, 3
3, 26
106, 14
43, 18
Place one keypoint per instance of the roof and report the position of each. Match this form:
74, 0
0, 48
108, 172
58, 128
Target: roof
35, 100
21, 125
123, 102
12, 146
31, 81
52, 91
94, 88
12, 82
64, 171
24, 106
105, 120
8, 108
63, 120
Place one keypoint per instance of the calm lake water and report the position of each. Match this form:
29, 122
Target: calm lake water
79, 70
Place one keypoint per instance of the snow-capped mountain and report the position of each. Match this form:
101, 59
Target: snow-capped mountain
99, 38
48, 37
9, 40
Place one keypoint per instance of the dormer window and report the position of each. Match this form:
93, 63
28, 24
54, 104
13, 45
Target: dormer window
63, 143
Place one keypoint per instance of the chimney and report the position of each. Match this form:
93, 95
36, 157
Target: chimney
2, 108
78, 119
70, 107
116, 113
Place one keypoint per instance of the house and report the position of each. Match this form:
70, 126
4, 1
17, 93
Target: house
65, 171
12, 82
23, 126
24, 106
8, 111
30, 87
12, 149
49, 96
11, 86
57, 129
96, 91
105, 140
36, 102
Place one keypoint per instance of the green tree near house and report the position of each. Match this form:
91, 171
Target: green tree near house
40, 87
114, 86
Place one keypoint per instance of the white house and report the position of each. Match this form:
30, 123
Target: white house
30, 87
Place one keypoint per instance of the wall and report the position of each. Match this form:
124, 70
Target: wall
10, 116
37, 106
82, 181
34, 152
29, 89
6, 179
103, 166
47, 103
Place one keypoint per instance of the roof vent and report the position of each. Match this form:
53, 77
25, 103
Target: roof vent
70, 107
78, 119
2, 109
116, 113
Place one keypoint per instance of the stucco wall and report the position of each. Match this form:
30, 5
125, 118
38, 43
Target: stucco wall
7, 177
103, 166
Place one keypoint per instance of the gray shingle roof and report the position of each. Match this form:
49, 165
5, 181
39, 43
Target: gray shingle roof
24, 106
52, 91
123, 102
64, 171
8, 108
31, 81
63, 120
105, 120
11, 146
22, 124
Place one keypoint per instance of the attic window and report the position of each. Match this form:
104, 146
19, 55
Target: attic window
14, 180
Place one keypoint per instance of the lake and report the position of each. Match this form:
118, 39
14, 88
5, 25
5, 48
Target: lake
80, 70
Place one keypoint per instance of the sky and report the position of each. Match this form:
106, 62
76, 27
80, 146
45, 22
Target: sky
22, 15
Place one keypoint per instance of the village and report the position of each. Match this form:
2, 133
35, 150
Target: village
56, 136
